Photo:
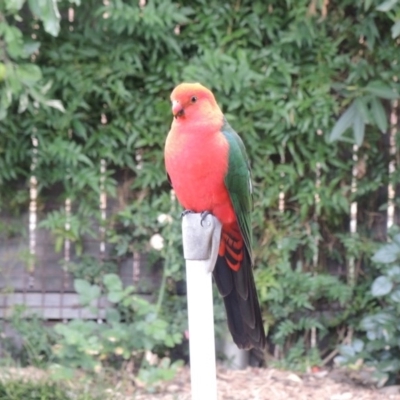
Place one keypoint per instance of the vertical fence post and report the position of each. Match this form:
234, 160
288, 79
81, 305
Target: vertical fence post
200, 248
351, 272
392, 165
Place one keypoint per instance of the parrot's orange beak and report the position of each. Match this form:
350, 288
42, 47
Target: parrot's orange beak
177, 109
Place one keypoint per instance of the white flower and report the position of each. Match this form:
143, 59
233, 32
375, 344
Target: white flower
157, 242
151, 358
118, 351
164, 218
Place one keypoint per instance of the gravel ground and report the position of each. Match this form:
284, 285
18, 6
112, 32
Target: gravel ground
273, 384
248, 384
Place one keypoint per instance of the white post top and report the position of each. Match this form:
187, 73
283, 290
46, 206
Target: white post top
200, 247
201, 238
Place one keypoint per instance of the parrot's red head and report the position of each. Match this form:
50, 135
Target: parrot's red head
193, 102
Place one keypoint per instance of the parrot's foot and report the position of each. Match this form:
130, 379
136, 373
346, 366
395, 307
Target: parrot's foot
186, 212
204, 216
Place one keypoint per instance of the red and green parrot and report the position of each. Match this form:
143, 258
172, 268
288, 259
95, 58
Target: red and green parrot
209, 171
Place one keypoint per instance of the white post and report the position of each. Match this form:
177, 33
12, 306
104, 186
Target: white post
200, 249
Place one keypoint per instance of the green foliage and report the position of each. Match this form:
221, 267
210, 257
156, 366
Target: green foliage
299, 302
392, 9
299, 357
379, 347
30, 341
90, 269
17, 389
96, 94
20, 79
133, 330
365, 110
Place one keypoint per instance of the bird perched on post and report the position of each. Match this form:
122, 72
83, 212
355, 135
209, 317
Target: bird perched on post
209, 171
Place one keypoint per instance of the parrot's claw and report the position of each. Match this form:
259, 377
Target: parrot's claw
204, 216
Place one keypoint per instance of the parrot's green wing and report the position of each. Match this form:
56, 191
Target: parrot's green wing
238, 182
237, 285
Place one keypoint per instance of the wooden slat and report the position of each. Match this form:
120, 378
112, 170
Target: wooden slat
53, 306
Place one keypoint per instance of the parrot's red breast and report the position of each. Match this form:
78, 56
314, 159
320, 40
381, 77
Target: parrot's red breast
197, 162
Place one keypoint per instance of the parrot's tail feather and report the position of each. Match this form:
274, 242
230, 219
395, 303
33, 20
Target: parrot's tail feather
241, 301
231, 247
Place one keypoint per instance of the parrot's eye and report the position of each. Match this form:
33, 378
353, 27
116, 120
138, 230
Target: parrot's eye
193, 99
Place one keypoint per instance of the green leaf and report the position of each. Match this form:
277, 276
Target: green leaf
93, 293
368, 323
395, 296
13, 39
79, 128
81, 286
381, 89
362, 108
30, 48
393, 272
6, 98
87, 292
28, 74
113, 316
389, 365
358, 345
395, 29
358, 129
14, 5
379, 114
347, 350
381, 286
37, 96
386, 254
113, 283
396, 239
367, 4
115, 297
47, 11
23, 103
345, 121
55, 104
3, 71
387, 5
